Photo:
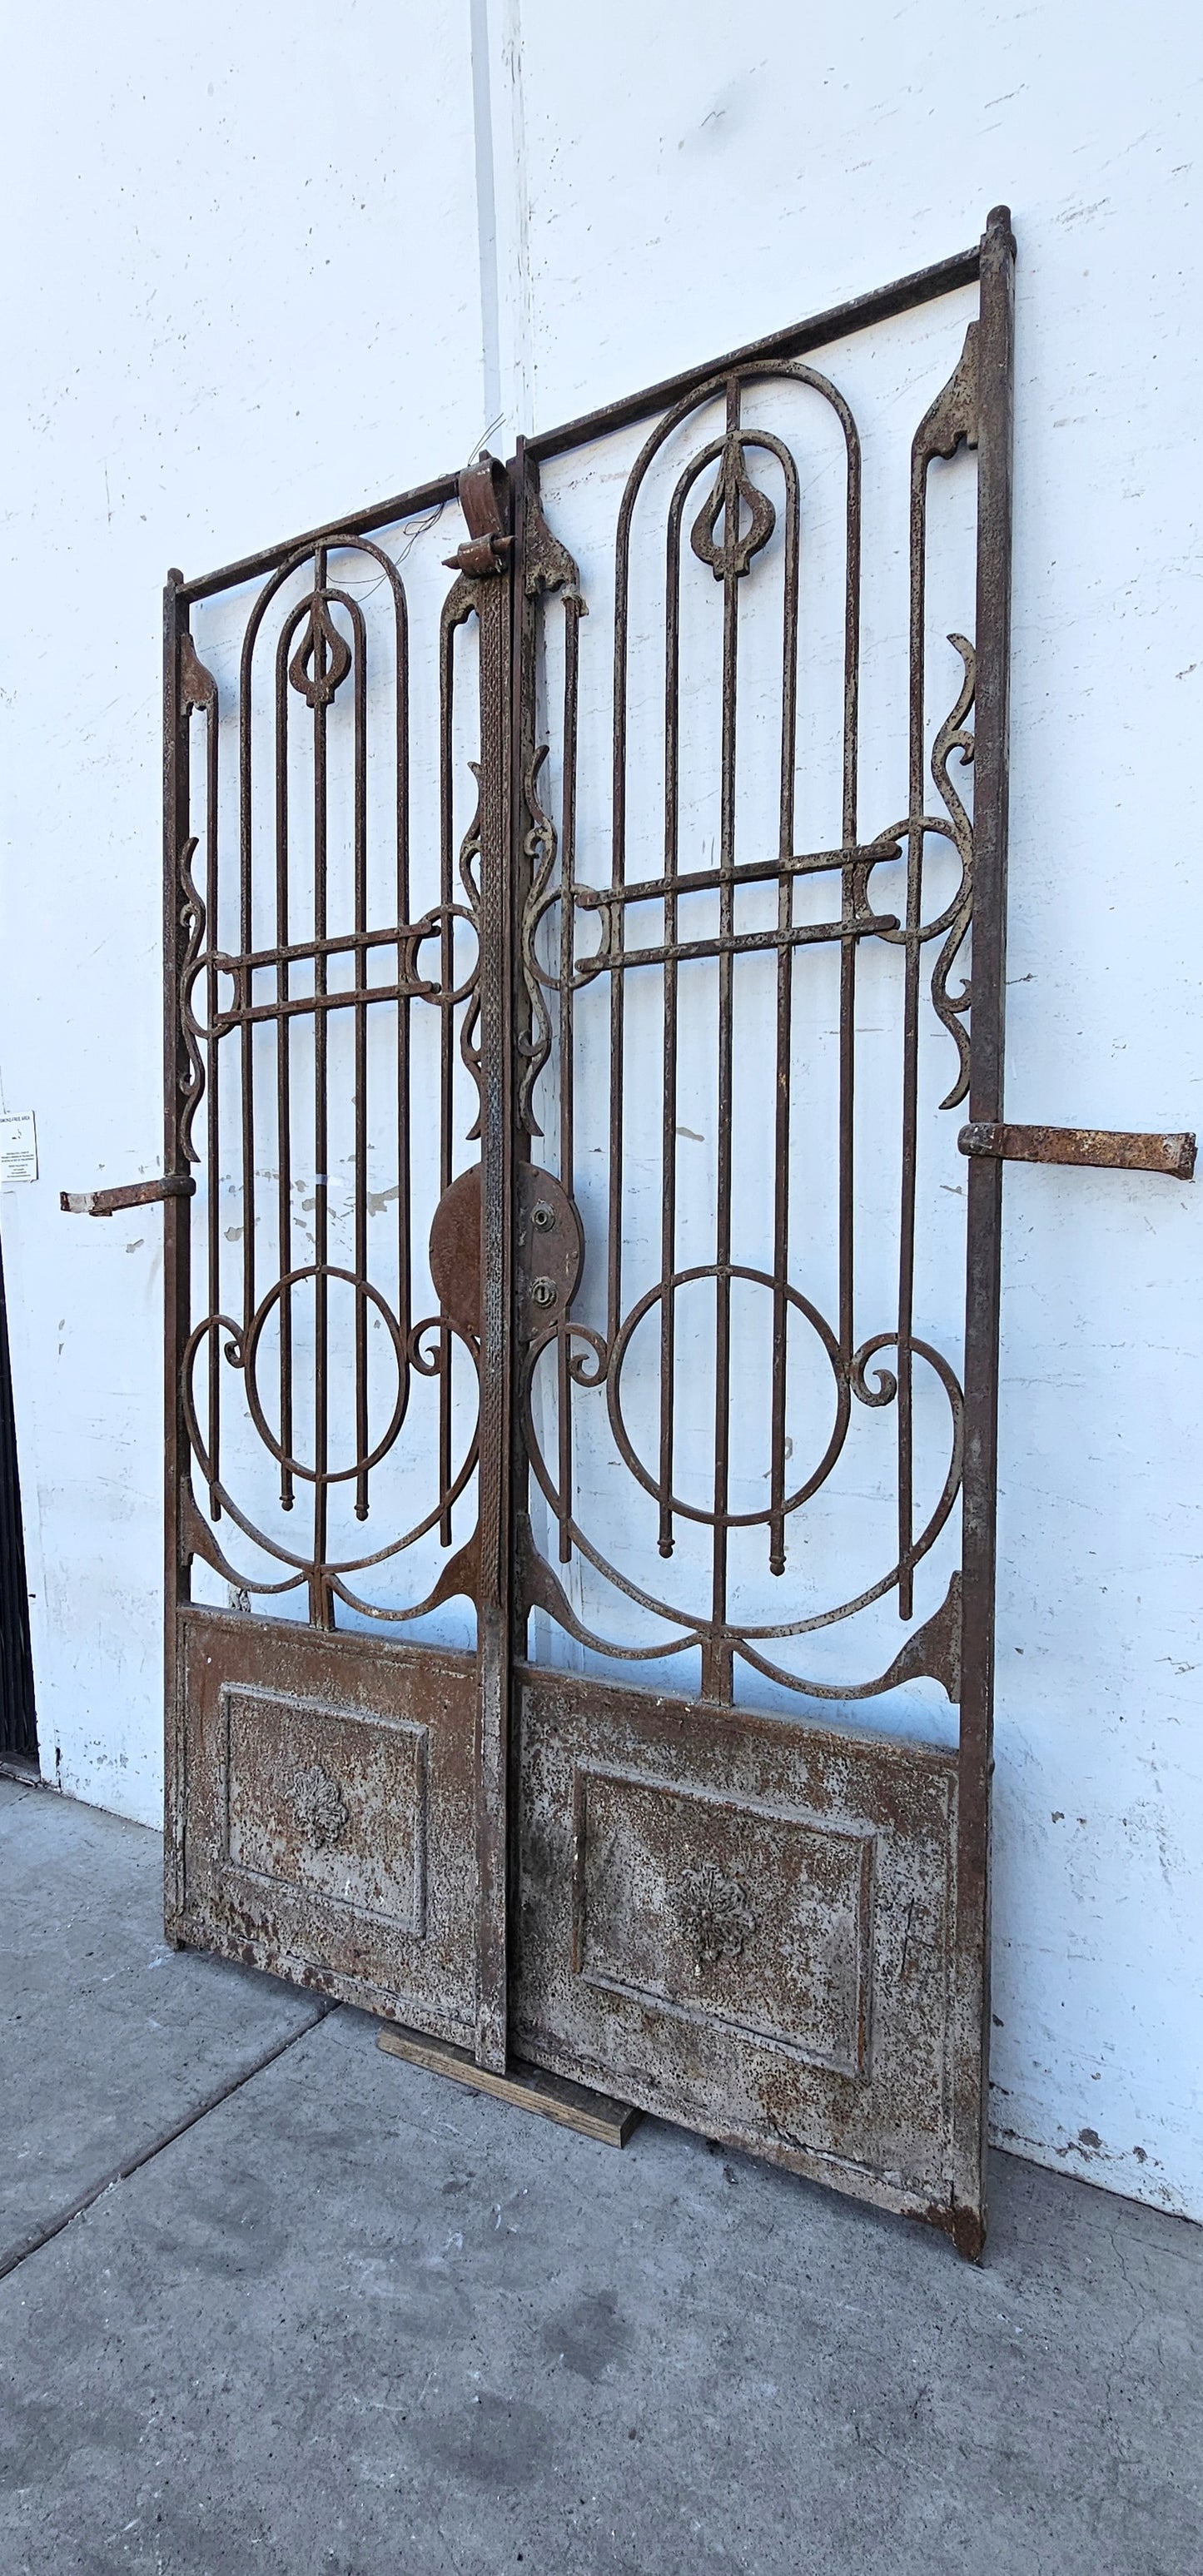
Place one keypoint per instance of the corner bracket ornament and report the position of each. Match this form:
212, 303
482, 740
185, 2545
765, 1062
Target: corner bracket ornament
547, 565
198, 688
953, 415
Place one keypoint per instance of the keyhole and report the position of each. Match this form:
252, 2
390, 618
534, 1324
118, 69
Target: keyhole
543, 1291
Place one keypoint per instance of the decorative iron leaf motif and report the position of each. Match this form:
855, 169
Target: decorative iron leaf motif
715, 1916
539, 849
733, 493
954, 735
192, 919
321, 1807
322, 658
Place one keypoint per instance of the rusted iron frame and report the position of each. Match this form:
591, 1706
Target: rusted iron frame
817, 332
500, 732
995, 420
861, 314
177, 1235
1108, 1149
993, 266
820, 331
358, 523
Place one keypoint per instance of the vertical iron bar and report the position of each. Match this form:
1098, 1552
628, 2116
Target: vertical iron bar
668, 1130
617, 924
996, 340
212, 1119
405, 1004
785, 990
500, 739
572, 641
244, 984
284, 1071
847, 1112
910, 1026
177, 1298
320, 1605
717, 1662
446, 892
360, 863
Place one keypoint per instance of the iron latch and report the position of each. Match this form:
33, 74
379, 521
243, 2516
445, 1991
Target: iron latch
484, 498
169, 1185
1106, 1148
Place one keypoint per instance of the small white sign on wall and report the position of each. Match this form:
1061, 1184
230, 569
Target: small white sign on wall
18, 1148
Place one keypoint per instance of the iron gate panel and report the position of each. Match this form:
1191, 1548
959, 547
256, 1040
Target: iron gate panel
432, 1050
703, 906
325, 1015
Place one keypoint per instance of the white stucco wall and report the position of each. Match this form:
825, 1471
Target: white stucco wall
243, 290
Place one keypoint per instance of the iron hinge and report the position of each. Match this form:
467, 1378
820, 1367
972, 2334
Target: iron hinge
1105, 1148
169, 1185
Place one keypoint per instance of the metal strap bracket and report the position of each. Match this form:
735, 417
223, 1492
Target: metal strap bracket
484, 498
169, 1185
1105, 1148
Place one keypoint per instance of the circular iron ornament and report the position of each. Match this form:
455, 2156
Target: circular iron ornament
431, 926
364, 1290
698, 1626
843, 1401
220, 1493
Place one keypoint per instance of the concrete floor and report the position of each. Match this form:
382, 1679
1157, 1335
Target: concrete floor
353, 2321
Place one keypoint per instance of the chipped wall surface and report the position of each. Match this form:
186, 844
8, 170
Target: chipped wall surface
264, 267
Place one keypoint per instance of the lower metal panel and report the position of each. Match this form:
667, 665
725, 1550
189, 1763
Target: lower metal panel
322, 1799
746, 1925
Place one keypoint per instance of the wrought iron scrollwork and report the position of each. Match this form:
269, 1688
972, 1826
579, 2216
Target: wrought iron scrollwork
594, 943
326, 1426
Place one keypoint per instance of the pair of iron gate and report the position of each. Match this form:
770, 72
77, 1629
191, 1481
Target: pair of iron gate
564, 1182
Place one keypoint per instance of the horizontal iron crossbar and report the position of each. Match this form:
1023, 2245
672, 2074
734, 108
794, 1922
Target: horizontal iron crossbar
1106, 1148
169, 1185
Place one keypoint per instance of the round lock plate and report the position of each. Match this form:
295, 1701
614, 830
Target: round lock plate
550, 1250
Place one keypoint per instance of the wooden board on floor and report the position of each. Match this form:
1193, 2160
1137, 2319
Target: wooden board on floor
572, 2105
